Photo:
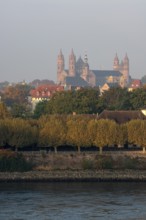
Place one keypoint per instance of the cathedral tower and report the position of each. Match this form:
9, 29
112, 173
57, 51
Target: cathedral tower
126, 69
85, 71
116, 63
72, 63
60, 66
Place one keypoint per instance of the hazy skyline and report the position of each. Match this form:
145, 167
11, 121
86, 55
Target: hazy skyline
33, 31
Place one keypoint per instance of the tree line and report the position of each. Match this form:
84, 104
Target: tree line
83, 101
52, 131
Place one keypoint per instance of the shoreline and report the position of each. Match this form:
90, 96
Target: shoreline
75, 176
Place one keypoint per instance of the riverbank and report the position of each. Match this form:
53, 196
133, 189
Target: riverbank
75, 176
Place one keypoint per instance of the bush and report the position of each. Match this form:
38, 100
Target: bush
130, 163
12, 161
87, 164
104, 162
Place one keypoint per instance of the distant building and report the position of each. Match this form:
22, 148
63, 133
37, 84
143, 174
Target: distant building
107, 86
135, 84
43, 92
123, 116
80, 74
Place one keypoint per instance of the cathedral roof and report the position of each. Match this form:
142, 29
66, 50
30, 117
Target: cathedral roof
106, 73
79, 63
101, 76
76, 81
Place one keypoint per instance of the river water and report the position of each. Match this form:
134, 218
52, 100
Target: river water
72, 201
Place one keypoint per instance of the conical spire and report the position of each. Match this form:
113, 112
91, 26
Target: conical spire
72, 55
126, 58
116, 58
86, 58
60, 54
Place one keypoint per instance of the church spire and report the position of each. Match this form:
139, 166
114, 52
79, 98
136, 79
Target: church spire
116, 63
60, 65
72, 63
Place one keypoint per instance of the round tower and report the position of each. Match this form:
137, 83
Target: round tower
60, 66
72, 64
85, 71
126, 68
116, 63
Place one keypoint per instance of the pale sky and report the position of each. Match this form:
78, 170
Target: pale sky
33, 31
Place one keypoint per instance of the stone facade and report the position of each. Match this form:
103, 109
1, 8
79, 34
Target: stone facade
80, 74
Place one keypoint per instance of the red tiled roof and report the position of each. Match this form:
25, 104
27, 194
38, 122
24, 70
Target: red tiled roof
45, 91
136, 83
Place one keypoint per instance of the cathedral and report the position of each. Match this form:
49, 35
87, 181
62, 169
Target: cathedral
80, 74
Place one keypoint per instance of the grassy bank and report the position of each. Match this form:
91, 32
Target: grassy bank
42, 166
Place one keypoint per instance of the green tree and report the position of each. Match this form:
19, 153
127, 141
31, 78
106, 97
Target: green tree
82, 101
40, 109
21, 110
115, 99
143, 79
138, 98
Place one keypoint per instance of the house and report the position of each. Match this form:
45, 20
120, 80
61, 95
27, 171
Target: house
107, 86
136, 83
122, 116
43, 92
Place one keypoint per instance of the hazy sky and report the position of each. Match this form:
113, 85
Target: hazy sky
33, 31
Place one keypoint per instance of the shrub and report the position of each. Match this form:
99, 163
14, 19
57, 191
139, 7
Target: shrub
104, 162
12, 161
130, 163
87, 164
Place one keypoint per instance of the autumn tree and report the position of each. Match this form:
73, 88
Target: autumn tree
77, 133
53, 133
4, 113
4, 132
137, 133
106, 133
21, 133
122, 135
16, 94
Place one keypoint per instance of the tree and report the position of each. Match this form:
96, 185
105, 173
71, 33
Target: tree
77, 133
143, 79
115, 99
4, 132
122, 136
21, 110
40, 109
53, 133
106, 133
137, 133
138, 98
82, 101
21, 133
4, 113
16, 94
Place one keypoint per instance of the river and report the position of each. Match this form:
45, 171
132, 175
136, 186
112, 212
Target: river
72, 201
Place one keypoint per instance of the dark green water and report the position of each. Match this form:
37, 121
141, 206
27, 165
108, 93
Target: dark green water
73, 201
